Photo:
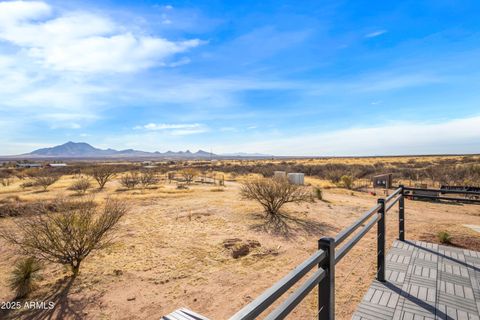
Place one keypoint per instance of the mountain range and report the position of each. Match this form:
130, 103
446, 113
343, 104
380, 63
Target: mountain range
82, 150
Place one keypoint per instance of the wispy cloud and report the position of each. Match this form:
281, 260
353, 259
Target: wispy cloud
167, 126
375, 33
175, 129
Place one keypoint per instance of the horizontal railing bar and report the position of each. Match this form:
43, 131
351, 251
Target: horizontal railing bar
351, 243
442, 198
390, 197
269, 296
442, 191
349, 230
295, 298
392, 203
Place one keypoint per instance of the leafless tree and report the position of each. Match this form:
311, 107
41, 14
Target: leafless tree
69, 235
148, 178
272, 194
130, 180
102, 174
45, 180
188, 174
80, 186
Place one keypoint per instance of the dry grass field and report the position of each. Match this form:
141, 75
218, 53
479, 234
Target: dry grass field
170, 249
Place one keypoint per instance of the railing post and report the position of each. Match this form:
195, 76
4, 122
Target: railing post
326, 288
381, 242
401, 216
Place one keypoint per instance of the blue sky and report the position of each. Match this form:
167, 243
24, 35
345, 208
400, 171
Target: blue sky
278, 77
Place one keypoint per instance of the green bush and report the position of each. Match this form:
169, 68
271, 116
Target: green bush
24, 276
444, 237
318, 193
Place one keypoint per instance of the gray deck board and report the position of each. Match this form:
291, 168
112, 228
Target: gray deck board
425, 281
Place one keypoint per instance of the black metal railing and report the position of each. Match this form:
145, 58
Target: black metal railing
330, 252
440, 194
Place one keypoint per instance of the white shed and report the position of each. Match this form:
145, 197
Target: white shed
57, 165
296, 178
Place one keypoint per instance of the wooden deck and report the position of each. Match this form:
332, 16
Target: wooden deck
425, 281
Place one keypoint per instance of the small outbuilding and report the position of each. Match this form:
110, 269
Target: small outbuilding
57, 165
296, 178
383, 181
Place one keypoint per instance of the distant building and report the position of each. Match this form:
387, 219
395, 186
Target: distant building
29, 165
383, 181
296, 178
57, 165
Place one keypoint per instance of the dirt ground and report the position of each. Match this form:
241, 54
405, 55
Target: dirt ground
169, 251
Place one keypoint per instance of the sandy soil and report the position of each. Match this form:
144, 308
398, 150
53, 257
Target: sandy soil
169, 252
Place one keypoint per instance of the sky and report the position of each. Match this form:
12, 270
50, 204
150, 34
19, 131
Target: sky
305, 78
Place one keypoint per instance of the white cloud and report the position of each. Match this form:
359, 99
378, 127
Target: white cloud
166, 126
82, 41
175, 129
60, 67
375, 33
17, 11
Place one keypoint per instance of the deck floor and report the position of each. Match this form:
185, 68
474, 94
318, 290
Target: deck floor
425, 281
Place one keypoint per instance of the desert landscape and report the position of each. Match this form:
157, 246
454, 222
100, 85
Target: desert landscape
190, 239
241, 160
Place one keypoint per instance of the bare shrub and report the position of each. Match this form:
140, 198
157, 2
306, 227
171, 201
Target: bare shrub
5, 178
27, 184
80, 186
188, 174
15, 207
130, 180
148, 178
24, 276
102, 174
20, 174
70, 235
347, 181
334, 175
272, 194
45, 180
6, 181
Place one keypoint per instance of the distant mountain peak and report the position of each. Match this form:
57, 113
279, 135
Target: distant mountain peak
201, 152
69, 148
72, 149
80, 150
